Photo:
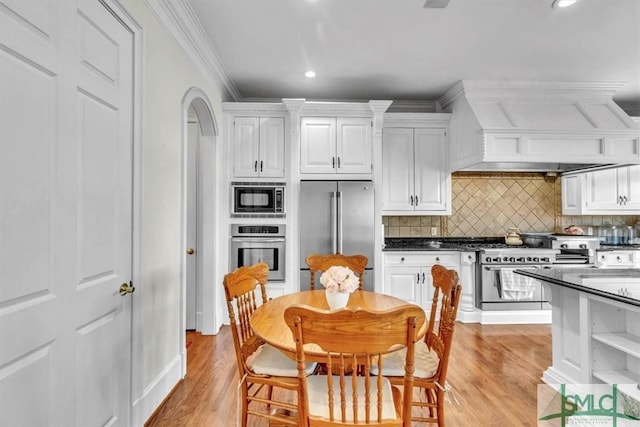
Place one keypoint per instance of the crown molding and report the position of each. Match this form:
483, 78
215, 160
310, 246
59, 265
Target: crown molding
489, 89
180, 21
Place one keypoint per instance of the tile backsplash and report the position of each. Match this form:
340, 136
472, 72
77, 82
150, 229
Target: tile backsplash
487, 204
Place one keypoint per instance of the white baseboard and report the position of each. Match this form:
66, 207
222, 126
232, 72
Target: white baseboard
469, 316
153, 394
515, 317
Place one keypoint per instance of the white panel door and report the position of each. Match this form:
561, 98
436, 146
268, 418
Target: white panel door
631, 183
246, 143
430, 170
318, 145
397, 169
404, 282
65, 214
602, 190
272, 147
353, 149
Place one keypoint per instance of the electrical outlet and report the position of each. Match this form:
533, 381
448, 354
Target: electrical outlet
434, 231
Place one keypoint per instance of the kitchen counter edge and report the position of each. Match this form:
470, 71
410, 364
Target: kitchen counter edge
584, 288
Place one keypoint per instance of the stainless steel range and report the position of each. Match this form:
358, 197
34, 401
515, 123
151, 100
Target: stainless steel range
499, 288
502, 289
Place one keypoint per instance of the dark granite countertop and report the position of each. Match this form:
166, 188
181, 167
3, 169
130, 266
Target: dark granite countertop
462, 244
619, 284
619, 247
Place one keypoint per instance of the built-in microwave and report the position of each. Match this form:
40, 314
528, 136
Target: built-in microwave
257, 199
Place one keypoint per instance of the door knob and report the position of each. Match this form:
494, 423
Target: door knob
191, 251
126, 289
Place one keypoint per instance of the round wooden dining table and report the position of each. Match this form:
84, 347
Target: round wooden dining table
268, 319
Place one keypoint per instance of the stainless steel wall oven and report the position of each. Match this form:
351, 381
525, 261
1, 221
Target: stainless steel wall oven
259, 243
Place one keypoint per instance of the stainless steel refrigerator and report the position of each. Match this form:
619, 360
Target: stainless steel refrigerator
336, 217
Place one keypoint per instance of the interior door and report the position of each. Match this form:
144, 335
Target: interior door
193, 138
65, 214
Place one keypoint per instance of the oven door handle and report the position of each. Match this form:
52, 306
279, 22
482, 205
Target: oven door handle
518, 267
257, 240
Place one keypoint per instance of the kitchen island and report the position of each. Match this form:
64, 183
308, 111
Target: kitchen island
595, 326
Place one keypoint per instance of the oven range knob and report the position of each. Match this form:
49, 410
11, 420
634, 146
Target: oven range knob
545, 259
497, 259
535, 259
521, 259
510, 259
564, 246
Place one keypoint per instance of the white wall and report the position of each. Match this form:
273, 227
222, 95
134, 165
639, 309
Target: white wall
167, 75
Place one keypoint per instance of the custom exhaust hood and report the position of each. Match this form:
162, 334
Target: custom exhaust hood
537, 126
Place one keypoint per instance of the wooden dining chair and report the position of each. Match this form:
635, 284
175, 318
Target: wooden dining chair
354, 338
259, 364
432, 354
322, 262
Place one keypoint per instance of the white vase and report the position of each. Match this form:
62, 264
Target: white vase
337, 300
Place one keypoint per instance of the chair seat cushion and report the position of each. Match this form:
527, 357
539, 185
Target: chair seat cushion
268, 360
319, 398
426, 362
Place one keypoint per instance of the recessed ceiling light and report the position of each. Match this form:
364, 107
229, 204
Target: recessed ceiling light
310, 74
563, 3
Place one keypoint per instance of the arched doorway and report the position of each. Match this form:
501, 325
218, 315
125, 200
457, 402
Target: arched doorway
198, 215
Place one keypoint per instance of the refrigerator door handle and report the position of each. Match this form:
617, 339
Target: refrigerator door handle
334, 222
339, 222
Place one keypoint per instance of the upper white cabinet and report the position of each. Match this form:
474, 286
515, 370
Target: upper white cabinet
330, 145
415, 177
258, 147
602, 192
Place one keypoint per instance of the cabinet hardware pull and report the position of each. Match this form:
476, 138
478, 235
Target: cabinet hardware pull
411, 197
423, 278
416, 200
261, 162
255, 166
338, 162
333, 162
625, 200
417, 278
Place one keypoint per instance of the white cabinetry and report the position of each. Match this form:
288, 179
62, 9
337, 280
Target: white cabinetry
594, 340
331, 145
602, 192
407, 275
258, 147
415, 177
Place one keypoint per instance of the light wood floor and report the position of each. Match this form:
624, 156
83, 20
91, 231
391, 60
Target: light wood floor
494, 371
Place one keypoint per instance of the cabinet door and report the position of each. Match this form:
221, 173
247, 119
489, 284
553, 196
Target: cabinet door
397, 169
630, 188
246, 141
432, 180
404, 282
571, 194
353, 145
318, 145
271, 147
602, 190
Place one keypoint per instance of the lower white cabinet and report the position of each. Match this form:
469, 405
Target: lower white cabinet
407, 275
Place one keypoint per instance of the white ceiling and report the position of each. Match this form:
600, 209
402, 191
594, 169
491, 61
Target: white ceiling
398, 50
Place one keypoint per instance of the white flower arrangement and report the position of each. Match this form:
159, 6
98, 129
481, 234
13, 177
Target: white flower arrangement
340, 279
